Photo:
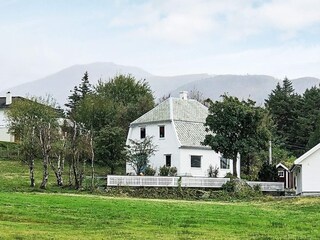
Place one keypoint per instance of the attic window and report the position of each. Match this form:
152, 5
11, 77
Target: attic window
161, 131
281, 173
142, 133
196, 161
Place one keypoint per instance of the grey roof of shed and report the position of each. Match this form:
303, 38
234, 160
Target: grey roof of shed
188, 116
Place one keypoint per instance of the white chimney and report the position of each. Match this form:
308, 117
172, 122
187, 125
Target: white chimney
184, 95
8, 98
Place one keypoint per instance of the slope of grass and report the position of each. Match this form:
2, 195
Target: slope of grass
25, 214
58, 216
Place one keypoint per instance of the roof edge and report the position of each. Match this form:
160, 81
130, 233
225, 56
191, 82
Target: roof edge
307, 154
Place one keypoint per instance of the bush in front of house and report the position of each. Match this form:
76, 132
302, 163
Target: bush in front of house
168, 171
239, 189
149, 171
213, 172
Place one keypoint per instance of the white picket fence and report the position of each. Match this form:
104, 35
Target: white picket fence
201, 182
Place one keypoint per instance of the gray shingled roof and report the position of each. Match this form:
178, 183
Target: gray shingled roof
190, 134
188, 116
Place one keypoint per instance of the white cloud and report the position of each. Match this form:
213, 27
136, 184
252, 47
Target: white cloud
188, 21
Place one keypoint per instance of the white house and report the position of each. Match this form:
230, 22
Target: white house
306, 171
177, 127
4, 104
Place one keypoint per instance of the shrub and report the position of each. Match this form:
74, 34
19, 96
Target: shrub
268, 172
229, 186
213, 172
164, 170
168, 171
173, 171
149, 171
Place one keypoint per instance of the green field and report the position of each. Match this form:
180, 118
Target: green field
34, 215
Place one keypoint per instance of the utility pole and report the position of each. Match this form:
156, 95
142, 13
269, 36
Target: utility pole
270, 152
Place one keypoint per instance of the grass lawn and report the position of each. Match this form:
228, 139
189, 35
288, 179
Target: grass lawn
61, 216
33, 215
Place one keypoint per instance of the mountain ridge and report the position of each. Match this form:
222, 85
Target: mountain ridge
256, 87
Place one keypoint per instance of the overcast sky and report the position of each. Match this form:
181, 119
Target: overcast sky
278, 38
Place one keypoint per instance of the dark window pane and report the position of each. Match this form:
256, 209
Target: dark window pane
224, 163
161, 131
168, 160
196, 161
142, 133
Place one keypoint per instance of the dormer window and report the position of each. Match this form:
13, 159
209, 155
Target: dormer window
142, 133
161, 131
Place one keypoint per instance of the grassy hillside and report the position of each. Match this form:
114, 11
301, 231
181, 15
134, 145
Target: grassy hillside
67, 215
56, 216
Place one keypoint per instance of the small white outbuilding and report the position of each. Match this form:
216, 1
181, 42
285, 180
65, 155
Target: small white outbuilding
306, 170
177, 128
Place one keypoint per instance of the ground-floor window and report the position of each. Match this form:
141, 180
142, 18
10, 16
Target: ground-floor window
196, 161
168, 160
224, 163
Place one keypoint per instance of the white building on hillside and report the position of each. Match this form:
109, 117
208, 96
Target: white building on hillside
4, 104
177, 127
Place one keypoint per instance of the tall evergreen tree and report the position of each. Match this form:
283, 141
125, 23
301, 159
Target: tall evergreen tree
78, 93
284, 106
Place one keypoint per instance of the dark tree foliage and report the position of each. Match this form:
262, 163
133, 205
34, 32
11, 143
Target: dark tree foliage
236, 127
268, 173
284, 106
78, 93
110, 147
308, 122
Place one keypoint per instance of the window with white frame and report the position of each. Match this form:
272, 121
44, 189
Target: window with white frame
224, 163
142, 132
196, 161
281, 173
161, 131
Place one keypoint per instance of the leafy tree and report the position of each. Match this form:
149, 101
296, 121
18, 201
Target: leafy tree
139, 153
35, 122
110, 147
235, 127
133, 98
268, 172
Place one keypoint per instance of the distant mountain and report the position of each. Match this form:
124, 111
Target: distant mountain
257, 87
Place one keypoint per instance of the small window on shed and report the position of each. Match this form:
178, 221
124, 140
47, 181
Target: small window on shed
196, 161
281, 173
161, 132
142, 133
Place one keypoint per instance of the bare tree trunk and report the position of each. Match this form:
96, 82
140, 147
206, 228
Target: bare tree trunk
45, 139
31, 171
70, 173
234, 163
45, 173
75, 164
57, 172
92, 161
